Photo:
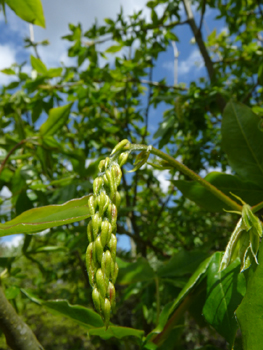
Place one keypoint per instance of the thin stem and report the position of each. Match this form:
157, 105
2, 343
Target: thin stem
257, 207
188, 172
10, 152
157, 300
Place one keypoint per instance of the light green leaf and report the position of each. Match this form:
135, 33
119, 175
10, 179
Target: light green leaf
56, 119
38, 219
249, 313
243, 141
85, 317
29, 10
247, 190
8, 71
38, 65
225, 291
114, 48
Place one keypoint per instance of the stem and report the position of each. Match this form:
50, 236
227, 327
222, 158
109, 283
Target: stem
10, 152
257, 207
157, 300
188, 172
18, 335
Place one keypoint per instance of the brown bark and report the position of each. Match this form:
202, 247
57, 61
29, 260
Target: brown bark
17, 333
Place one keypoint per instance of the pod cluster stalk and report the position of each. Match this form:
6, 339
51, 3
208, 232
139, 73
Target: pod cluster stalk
101, 252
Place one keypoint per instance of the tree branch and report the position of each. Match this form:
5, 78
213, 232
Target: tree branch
18, 335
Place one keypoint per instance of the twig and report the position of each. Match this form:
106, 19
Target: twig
10, 152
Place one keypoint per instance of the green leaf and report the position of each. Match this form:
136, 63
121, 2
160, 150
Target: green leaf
225, 291
29, 10
39, 219
181, 263
136, 272
247, 190
38, 65
169, 308
249, 313
243, 141
8, 71
85, 317
114, 48
12, 292
56, 119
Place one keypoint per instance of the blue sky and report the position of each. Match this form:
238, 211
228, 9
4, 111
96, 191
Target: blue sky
59, 13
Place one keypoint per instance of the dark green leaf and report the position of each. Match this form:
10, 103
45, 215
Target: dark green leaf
247, 190
135, 272
249, 313
225, 291
243, 141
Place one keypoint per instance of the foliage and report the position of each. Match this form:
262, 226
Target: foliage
175, 288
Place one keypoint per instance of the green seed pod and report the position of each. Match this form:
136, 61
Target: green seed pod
90, 232
99, 249
112, 185
106, 181
101, 166
106, 266
100, 283
107, 311
103, 202
107, 160
112, 216
116, 174
115, 273
91, 263
123, 157
96, 299
105, 234
117, 199
97, 184
111, 294
113, 246
92, 205
120, 146
96, 222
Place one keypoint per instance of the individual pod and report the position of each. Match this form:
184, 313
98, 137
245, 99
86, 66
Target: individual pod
92, 205
91, 263
111, 295
112, 216
100, 283
116, 174
99, 249
96, 299
97, 184
103, 202
111, 182
117, 199
105, 180
105, 234
123, 158
120, 146
90, 232
107, 311
113, 246
96, 222
114, 271
106, 266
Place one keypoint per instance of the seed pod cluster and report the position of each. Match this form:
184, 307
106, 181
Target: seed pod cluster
101, 252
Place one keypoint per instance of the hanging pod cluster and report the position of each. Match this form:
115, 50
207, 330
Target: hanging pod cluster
101, 252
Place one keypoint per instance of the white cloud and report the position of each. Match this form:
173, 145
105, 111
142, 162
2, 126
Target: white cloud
5, 192
12, 241
163, 176
194, 61
7, 58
